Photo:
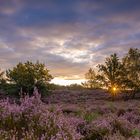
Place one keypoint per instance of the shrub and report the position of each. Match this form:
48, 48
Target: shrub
32, 119
11, 89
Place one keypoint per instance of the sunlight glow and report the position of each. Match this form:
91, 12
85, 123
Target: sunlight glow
65, 82
114, 89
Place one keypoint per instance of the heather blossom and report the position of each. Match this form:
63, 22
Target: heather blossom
33, 119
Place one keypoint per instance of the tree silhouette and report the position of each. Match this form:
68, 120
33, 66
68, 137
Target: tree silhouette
92, 81
131, 63
110, 72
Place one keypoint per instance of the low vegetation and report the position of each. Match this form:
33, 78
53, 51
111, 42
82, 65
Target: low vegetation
31, 119
89, 115
75, 112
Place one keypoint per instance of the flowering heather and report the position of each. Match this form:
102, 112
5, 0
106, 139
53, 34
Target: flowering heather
92, 118
103, 119
34, 120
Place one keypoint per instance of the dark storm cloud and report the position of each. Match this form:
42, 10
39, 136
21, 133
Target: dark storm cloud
68, 35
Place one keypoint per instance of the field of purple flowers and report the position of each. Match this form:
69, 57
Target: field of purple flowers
70, 115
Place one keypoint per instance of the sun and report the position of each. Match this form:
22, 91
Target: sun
114, 89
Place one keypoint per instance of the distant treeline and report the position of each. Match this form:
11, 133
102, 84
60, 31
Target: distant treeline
115, 75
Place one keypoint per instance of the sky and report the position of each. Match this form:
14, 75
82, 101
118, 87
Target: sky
69, 36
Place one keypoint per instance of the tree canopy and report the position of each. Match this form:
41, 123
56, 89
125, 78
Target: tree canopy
110, 71
92, 81
131, 63
27, 75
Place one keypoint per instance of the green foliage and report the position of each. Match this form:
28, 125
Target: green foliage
110, 72
74, 87
89, 117
121, 127
131, 63
27, 75
92, 81
96, 134
2, 79
42, 87
1, 75
123, 75
52, 86
11, 89
136, 132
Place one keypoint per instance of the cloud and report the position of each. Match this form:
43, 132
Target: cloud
68, 37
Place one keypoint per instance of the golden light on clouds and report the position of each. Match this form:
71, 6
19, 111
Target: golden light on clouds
68, 37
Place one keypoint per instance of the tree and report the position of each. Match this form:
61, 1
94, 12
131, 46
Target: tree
27, 75
110, 72
1, 77
91, 82
131, 63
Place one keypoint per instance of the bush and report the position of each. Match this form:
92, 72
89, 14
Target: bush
11, 89
32, 119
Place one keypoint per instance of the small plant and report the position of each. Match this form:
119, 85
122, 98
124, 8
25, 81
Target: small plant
136, 133
89, 117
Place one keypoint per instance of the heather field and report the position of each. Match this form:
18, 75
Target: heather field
70, 115
69, 69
